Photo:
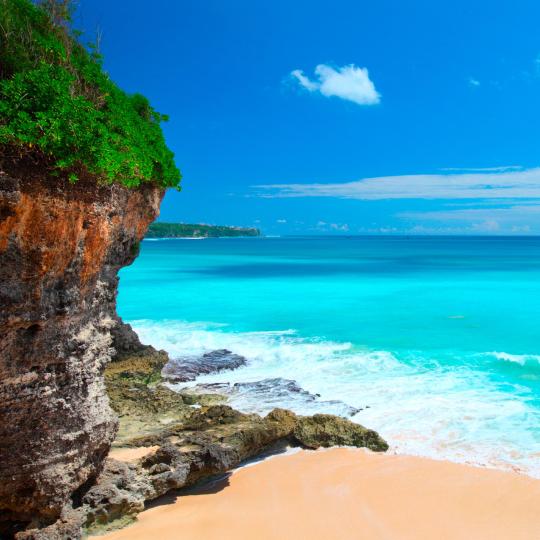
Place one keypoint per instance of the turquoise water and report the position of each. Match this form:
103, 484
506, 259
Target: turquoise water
435, 338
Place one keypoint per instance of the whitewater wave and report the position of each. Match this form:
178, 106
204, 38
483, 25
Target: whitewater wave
421, 406
521, 359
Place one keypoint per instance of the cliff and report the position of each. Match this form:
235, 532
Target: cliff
83, 168
61, 246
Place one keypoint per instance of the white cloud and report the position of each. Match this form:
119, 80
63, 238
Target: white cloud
326, 227
474, 82
487, 185
503, 168
305, 81
488, 226
281, 221
501, 214
348, 82
339, 226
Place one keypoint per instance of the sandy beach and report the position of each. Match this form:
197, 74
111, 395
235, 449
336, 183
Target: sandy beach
350, 494
131, 455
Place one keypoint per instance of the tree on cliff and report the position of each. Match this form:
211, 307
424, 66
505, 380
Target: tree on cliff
57, 103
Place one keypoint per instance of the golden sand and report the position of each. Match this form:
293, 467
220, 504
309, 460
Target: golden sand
350, 494
131, 454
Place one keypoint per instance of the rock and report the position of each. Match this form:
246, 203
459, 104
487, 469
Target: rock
66, 527
328, 430
191, 397
124, 491
195, 443
262, 396
125, 340
61, 246
142, 367
143, 405
188, 369
211, 441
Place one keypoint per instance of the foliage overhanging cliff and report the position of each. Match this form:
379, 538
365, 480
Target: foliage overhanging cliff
58, 104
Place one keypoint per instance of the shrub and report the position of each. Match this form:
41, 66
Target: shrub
56, 100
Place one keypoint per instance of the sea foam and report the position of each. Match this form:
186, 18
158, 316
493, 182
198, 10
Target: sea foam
421, 406
521, 359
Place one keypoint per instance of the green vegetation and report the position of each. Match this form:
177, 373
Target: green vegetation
183, 230
57, 103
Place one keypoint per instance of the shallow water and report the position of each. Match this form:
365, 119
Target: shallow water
435, 338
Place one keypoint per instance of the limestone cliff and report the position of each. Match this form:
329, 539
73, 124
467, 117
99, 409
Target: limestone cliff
61, 246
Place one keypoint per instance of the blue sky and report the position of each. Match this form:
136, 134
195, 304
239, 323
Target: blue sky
342, 117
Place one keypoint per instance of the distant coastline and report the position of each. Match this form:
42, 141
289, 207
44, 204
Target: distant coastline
186, 230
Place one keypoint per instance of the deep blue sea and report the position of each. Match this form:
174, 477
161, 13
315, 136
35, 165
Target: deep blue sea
436, 339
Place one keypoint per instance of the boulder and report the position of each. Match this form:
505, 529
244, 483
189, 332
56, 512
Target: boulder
189, 368
325, 430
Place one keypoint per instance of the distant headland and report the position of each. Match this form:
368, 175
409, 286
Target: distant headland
186, 230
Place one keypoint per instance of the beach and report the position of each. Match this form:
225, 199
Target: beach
432, 342
341, 494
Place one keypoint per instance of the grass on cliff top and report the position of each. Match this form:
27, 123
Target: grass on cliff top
57, 102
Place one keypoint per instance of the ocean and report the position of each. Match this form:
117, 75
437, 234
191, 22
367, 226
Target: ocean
432, 341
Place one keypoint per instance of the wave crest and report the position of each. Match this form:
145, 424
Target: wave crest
521, 359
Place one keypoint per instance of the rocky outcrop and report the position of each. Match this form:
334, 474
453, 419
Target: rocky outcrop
143, 405
325, 430
213, 440
61, 246
186, 443
188, 369
258, 396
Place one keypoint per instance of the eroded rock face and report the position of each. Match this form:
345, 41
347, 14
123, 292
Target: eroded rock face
61, 246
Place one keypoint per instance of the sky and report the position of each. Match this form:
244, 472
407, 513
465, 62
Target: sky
342, 117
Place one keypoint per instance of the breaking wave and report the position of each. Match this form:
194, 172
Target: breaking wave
421, 406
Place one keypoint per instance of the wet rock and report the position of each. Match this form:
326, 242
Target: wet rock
192, 397
264, 395
328, 430
188, 369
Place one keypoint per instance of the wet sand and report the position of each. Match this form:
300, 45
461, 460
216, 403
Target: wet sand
350, 494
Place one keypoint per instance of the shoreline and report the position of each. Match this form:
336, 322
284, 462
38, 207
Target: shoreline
403, 441
345, 493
